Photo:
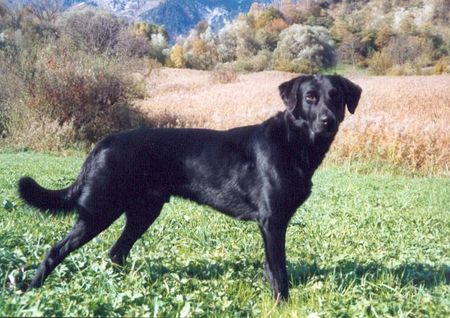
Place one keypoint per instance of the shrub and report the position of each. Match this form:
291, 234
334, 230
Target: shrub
199, 47
257, 63
159, 47
266, 17
223, 76
407, 48
397, 70
285, 65
176, 57
403, 70
380, 63
441, 66
132, 45
90, 93
305, 48
226, 48
262, 61
350, 46
93, 31
266, 39
41, 133
237, 41
6, 92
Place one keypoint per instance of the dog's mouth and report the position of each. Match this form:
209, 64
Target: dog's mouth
315, 134
323, 129
316, 131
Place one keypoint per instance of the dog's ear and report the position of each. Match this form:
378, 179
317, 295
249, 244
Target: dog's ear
352, 93
289, 92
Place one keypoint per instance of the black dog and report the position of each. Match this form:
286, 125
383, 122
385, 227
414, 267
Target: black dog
260, 173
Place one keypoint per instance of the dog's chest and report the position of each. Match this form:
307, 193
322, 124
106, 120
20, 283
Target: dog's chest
231, 189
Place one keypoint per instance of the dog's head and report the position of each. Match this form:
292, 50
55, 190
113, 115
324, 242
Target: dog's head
317, 103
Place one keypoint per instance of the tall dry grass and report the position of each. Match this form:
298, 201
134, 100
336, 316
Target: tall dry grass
402, 121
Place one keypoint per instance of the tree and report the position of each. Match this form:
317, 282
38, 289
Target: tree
46, 10
354, 42
129, 44
226, 48
383, 36
237, 40
94, 31
200, 48
159, 46
408, 25
177, 56
305, 49
266, 17
380, 63
441, 9
407, 48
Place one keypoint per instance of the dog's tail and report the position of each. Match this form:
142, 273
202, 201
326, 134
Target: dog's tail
53, 200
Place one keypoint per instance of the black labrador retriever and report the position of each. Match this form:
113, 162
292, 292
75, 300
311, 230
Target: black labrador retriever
261, 173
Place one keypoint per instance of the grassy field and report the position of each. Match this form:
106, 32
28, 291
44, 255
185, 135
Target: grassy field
362, 245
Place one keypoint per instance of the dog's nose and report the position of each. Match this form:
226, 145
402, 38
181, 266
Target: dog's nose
326, 120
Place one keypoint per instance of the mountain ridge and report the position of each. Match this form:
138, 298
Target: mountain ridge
176, 16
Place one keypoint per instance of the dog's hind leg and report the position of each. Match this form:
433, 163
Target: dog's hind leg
137, 222
85, 229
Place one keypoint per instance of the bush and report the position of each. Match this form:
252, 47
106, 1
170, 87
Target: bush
97, 32
11, 87
406, 69
257, 63
132, 45
237, 41
304, 48
93, 31
380, 63
90, 93
441, 66
407, 48
176, 57
397, 70
159, 47
41, 133
223, 76
200, 48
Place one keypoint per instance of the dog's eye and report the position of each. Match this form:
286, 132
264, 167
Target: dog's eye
333, 93
311, 98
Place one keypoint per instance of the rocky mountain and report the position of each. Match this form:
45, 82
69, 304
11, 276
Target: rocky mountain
127, 8
177, 16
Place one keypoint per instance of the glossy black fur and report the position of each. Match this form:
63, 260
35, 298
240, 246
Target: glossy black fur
260, 173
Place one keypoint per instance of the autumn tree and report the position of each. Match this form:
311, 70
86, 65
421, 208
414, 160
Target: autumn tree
304, 49
200, 47
94, 31
176, 57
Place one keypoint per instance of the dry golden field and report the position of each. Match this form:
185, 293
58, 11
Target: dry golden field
404, 121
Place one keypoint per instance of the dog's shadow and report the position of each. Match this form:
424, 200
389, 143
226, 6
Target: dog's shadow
201, 269
345, 273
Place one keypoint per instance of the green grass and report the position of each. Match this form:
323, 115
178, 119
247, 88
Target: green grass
362, 245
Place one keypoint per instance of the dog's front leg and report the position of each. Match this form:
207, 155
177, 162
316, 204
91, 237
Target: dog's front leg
274, 236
